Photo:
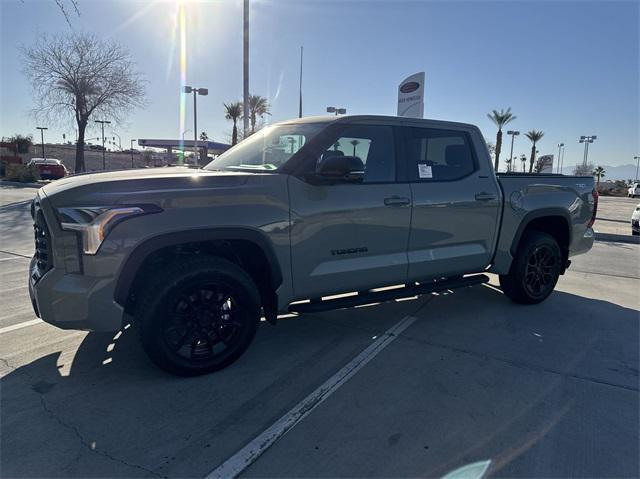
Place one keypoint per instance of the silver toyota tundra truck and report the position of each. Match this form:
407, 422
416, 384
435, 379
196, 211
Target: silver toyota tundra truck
299, 211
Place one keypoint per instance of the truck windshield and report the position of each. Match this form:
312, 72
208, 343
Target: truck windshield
266, 150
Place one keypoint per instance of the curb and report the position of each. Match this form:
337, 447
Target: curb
23, 185
617, 238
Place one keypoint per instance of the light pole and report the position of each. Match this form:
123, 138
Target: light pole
102, 123
42, 128
560, 147
513, 134
196, 92
131, 150
586, 140
637, 158
245, 67
337, 111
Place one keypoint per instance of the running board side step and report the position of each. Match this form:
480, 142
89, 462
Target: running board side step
316, 306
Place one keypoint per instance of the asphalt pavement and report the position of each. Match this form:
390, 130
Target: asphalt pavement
539, 391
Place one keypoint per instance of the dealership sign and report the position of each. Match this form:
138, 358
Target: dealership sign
545, 164
411, 96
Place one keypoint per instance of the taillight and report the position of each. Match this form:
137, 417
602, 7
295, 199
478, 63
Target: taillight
594, 194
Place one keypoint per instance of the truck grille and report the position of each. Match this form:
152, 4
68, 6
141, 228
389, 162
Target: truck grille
42, 242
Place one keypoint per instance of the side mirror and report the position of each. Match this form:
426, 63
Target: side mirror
347, 168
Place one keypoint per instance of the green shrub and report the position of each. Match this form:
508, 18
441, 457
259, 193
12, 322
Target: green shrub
22, 173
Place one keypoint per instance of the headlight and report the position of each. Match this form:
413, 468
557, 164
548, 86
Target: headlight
95, 222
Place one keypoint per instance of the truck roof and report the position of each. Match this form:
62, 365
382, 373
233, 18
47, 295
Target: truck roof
382, 119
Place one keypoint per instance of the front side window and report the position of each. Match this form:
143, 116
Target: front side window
371, 145
266, 150
438, 155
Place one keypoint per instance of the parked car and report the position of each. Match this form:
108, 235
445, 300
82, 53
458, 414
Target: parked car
97, 148
634, 190
299, 211
50, 168
635, 221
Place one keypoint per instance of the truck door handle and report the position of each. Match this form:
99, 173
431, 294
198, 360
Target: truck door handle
485, 196
396, 201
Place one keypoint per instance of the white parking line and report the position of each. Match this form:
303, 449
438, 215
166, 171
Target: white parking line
237, 463
13, 327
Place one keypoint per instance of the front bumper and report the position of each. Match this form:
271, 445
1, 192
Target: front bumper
75, 301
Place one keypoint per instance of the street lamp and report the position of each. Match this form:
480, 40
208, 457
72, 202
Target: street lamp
131, 150
42, 128
196, 91
102, 123
586, 140
513, 134
637, 158
337, 111
560, 148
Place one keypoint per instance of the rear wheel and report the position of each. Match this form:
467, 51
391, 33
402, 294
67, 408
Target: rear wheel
199, 316
535, 269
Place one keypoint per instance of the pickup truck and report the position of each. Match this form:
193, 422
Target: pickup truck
299, 211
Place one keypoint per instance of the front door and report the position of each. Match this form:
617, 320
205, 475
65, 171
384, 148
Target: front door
351, 236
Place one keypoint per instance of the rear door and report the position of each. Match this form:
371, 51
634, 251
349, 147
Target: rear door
456, 202
350, 236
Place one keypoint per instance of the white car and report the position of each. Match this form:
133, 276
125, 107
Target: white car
635, 221
634, 190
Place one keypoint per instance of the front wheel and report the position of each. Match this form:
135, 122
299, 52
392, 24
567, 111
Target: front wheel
534, 271
198, 316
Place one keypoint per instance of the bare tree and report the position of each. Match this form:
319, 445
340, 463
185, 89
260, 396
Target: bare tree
82, 75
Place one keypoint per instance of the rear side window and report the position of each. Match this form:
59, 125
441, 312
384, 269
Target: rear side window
438, 155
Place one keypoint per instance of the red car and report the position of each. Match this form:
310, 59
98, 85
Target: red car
50, 168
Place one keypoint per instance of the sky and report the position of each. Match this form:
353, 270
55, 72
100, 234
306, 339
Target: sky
568, 68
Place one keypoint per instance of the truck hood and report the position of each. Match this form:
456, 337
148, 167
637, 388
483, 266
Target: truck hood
128, 186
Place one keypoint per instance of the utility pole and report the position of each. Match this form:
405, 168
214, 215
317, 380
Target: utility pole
300, 102
245, 68
131, 150
42, 128
102, 123
637, 158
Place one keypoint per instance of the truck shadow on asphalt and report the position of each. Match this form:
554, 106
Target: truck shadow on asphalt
109, 412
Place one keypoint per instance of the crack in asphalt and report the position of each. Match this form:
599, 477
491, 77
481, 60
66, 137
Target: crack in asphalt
52, 414
86, 444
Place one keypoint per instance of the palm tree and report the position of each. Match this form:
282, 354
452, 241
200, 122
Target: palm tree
258, 107
534, 136
500, 118
355, 143
598, 173
523, 159
233, 112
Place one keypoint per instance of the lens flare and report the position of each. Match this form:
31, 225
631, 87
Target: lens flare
182, 22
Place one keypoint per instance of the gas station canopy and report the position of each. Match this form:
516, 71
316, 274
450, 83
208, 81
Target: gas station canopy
213, 147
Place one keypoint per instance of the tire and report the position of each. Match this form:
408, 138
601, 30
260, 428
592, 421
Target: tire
534, 271
198, 316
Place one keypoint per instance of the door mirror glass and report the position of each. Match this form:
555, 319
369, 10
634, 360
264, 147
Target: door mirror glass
341, 167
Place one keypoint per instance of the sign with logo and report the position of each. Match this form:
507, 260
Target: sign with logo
411, 96
545, 164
